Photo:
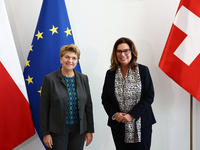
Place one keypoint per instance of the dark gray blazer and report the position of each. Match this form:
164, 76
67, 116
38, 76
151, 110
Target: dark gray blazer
143, 109
53, 104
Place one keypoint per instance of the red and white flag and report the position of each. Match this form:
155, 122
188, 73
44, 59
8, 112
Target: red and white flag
16, 123
180, 59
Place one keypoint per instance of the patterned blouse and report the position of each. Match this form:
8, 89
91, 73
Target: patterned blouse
128, 94
72, 116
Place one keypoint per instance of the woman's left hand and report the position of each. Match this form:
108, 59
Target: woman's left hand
127, 118
88, 138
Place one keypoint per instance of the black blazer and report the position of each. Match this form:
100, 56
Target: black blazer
53, 104
143, 109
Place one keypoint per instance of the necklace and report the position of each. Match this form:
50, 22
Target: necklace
124, 71
124, 77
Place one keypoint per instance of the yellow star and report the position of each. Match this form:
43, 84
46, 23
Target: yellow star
27, 63
29, 80
31, 48
40, 91
39, 35
68, 31
54, 30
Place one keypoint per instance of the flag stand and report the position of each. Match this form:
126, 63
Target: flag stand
191, 122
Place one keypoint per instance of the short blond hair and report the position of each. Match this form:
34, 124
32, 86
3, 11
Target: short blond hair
70, 48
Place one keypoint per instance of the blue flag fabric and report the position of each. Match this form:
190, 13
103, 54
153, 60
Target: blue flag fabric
52, 32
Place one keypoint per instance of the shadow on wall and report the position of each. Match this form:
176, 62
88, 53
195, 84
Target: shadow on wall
102, 139
164, 95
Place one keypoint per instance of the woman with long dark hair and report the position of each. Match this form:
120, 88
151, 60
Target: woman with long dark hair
127, 97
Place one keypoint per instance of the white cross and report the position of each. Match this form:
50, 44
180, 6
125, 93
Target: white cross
189, 23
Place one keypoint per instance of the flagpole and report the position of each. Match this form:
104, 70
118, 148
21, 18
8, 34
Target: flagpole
191, 122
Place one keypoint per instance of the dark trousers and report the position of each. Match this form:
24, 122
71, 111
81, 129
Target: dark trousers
145, 143
70, 140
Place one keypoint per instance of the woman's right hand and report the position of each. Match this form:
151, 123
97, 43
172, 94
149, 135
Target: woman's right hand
47, 139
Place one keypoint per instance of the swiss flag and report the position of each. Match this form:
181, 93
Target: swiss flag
180, 59
16, 123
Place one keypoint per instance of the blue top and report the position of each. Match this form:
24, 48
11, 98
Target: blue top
72, 116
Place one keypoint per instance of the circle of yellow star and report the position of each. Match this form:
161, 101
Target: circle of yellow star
54, 30
39, 35
68, 31
29, 80
31, 48
27, 63
40, 91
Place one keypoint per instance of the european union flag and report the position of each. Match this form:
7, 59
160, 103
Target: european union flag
52, 32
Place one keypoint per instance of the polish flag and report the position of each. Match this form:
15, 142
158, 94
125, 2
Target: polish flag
180, 59
16, 123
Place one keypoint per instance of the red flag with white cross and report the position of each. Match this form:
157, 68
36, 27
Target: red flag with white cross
180, 59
